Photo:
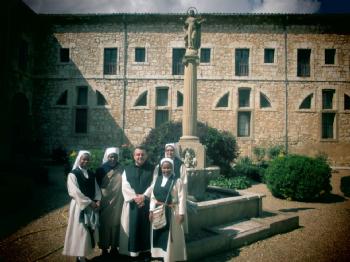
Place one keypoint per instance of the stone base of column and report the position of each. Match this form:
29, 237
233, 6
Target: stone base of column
195, 152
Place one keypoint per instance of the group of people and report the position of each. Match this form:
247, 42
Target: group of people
113, 207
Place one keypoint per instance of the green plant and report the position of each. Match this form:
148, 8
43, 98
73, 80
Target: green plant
298, 177
125, 157
275, 151
221, 146
259, 153
237, 182
246, 167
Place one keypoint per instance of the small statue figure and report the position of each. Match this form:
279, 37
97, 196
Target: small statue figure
192, 28
189, 158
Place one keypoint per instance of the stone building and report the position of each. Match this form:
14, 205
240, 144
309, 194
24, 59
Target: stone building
102, 80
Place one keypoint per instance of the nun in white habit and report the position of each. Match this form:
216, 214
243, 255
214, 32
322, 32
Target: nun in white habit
169, 242
171, 151
82, 230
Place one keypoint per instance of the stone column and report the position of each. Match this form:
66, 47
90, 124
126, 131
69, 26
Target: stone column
189, 121
189, 139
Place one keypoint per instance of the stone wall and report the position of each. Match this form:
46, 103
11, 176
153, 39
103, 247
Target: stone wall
87, 39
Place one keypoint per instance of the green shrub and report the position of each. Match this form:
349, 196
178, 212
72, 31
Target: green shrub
275, 151
237, 182
298, 177
125, 157
246, 167
259, 153
95, 161
221, 146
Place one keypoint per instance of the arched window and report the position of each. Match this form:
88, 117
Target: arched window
264, 101
180, 99
223, 101
142, 99
306, 104
62, 100
101, 100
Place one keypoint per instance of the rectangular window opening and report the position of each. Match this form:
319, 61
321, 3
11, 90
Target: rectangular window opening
64, 55
243, 125
303, 63
140, 54
110, 61
178, 66
328, 125
329, 56
242, 62
269, 55
162, 116
205, 55
81, 120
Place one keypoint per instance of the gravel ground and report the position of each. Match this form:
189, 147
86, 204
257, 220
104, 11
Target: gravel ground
324, 233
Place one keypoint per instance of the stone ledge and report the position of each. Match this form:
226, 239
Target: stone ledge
241, 233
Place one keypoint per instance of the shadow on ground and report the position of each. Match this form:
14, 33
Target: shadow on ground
29, 193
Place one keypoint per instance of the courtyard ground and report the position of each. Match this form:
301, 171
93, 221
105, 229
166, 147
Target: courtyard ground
34, 218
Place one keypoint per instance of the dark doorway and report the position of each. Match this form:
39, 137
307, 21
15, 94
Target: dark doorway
21, 132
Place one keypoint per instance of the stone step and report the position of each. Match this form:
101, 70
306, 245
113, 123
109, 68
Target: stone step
240, 233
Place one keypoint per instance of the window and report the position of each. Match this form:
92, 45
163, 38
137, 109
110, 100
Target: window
81, 111
64, 55
327, 98
328, 125
81, 120
243, 129
269, 55
23, 55
162, 116
180, 99
264, 101
162, 97
178, 66
82, 98
303, 68
205, 55
223, 102
243, 97
306, 104
142, 99
101, 100
62, 100
329, 56
242, 62
110, 61
346, 102
140, 54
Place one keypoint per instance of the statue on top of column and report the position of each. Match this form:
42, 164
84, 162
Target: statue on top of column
192, 28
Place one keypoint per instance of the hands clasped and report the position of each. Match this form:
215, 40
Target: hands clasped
95, 205
140, 200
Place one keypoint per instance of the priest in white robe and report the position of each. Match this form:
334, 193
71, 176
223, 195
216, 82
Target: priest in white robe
136, 187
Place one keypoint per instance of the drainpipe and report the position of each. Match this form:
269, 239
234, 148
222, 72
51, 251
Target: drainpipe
125, 81
286, 82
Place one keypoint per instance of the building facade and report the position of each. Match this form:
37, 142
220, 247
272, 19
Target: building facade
102, 80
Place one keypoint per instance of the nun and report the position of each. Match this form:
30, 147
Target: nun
109, 178
168, 242
82, 230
